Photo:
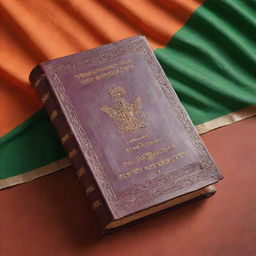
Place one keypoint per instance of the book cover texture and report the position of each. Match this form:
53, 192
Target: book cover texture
129, 126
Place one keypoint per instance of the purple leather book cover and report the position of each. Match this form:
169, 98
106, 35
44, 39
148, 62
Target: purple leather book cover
138, 141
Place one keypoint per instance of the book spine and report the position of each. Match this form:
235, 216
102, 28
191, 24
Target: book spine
40, 83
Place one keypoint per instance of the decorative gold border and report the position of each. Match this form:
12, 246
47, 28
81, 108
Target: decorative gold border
39, 81
226, 119
53, 115
89, 190
116, 205
36, 173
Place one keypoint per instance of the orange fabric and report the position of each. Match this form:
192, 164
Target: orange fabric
37, 30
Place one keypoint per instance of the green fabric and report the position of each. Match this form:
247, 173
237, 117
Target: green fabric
211, 63
31, 145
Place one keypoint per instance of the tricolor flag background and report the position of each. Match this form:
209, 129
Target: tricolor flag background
207, 49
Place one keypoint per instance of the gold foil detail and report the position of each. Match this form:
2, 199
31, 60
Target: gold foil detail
89, 190
152, 166
128, 116
111, 70
38, 81
72, 153
148, 155
128, 174
140, 138
142, 145
166, 161
53, 115
65, 138
80, 172
45, 97
96, 204
104, 68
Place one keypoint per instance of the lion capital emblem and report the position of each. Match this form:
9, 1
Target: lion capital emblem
128, 115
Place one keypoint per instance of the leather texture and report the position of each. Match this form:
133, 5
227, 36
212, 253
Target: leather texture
69, 143
122, 86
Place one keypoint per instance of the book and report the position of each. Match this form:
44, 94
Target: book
131, 142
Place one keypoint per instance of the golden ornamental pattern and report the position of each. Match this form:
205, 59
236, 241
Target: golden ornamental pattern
127, 115
117, 202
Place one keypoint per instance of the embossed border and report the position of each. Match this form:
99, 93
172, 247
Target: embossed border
138, 44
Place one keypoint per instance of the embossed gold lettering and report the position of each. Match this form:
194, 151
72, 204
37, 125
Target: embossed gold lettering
113, 69
130, 173
137, 139
166, 161
148, 155
142, 145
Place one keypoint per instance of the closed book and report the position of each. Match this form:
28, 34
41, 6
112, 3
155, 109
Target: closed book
131, 142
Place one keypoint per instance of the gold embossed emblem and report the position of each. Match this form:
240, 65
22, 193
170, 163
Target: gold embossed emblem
128, 115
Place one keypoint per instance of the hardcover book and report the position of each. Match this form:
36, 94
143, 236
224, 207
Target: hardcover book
125, 131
